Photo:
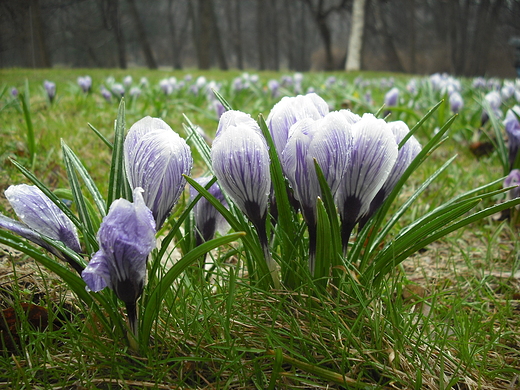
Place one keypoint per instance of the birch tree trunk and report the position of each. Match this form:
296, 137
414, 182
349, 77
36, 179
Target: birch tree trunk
355, 44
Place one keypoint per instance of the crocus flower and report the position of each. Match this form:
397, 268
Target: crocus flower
50, 88
373, 156
85, 83
135, 92
391, 97
290, 110
241, 163
207, 219
40, 217
156, 157
274, 87
456, 102
513, 179
106, 94
127, 81
240, 158
118, 89
512, 127
166, 86
327, 140
126, 237
405, 156
14, 92
492, 102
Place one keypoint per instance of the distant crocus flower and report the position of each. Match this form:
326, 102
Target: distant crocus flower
14, 92
492, 102
274, 87
50, 88
372, 158
456, 102
40, 217
240, 158
106, 94
327, 140
479, 83
219, 108
508, 90
513, 179
412, 87
405, 156
144, 82
127, 81
118, 90
126, 237
166, 86
512, 127
85, 83
290, 110
156, 157
391, 97
135, 92
207, 219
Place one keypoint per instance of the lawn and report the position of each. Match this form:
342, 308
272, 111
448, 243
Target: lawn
433, 303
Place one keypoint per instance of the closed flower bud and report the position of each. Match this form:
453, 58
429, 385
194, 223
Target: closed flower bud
512, 126
290, 110
241, 163
155, 159
40, 217
372, 158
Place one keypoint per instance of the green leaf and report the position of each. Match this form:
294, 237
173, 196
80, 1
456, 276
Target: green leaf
118, 186
26, 107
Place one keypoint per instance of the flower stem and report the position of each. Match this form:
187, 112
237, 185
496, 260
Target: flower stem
131, 312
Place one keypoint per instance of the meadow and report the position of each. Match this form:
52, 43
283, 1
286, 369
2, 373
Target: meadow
426, 295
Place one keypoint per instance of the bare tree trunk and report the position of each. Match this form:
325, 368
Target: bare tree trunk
355, 46
394, 63
412, 36
275, 54
260, 35
141, 36
203, 28
113, 23
38, 54
217, 41
291, 44
233, 19
175, 43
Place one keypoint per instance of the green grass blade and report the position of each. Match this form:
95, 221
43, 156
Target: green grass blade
152, 305
26, 108
118, 185
87, 179
101, 136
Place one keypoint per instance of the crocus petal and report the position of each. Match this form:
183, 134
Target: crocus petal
513, 179
373, 156
155, 159
241, 163
39, 213
290, 110
23, 230
126, 237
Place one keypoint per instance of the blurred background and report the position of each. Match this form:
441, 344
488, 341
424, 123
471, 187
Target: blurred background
461, 37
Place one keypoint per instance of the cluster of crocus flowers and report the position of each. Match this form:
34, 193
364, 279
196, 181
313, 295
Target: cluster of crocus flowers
40, 218
126, 237
359, 157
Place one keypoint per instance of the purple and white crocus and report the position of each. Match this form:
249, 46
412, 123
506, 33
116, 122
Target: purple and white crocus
156, 158
41, 218
50, 88
126, 237
240, 159
512, 127
373, 156
327, 141
405, 156
290, 110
